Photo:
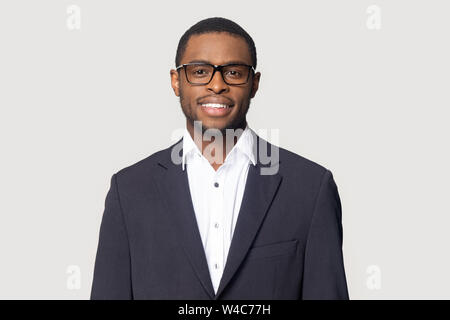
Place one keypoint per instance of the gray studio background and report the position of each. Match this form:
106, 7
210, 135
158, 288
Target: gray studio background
361, 87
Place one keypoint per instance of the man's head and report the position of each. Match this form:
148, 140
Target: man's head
216, 41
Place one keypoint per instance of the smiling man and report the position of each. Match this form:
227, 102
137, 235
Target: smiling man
222, 213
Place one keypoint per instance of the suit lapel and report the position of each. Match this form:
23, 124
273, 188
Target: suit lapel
175, 189
258, 195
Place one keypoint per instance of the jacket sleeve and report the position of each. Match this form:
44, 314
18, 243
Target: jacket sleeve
323, 272
112, 271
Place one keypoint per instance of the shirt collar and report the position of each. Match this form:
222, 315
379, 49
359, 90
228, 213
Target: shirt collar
245, 145
189, 147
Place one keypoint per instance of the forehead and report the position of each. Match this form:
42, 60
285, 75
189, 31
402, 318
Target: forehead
217, 48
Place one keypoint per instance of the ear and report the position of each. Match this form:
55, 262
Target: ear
175, 81
255, 86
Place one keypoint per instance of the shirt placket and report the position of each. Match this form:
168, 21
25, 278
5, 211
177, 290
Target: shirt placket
217, 224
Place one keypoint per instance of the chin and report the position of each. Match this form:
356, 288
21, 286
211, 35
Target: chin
214, 125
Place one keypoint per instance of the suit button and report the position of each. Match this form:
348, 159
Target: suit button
216, 184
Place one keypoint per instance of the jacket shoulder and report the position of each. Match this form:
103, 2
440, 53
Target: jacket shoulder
293, 162
301, 172
146, 167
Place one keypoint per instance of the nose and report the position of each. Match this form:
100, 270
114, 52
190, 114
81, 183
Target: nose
217, 85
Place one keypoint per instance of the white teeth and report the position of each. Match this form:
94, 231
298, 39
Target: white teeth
215, 105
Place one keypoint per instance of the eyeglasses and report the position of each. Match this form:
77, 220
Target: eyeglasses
202, 73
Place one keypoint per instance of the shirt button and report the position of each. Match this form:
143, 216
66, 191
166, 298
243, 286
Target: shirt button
216, 225
216, 266
216, 184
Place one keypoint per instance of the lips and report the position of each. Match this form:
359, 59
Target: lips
216, 102
216, 109
216, 106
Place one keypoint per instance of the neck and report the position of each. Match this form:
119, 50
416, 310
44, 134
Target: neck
215, 144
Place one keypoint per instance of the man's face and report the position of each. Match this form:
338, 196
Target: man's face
215, 48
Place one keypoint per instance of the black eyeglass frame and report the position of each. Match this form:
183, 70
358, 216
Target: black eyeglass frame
216, 68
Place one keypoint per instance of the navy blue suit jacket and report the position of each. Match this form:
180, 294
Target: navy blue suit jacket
287, 242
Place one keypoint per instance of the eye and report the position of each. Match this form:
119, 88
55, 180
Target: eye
233, 73
199, 71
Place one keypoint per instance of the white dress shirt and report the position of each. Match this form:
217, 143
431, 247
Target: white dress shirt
217, 196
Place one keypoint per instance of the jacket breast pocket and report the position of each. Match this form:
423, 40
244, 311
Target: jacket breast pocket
273, 250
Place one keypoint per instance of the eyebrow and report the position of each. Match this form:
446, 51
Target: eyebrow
228, 62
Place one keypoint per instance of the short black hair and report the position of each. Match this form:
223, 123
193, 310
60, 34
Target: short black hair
215, 24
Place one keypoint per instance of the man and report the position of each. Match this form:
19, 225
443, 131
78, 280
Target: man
209, 217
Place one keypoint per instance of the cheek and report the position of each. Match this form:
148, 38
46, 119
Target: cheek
185, 96
191, 94
244, 99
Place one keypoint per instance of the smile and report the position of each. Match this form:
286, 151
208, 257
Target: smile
216, 109
215, 105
